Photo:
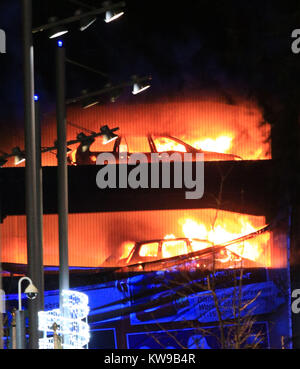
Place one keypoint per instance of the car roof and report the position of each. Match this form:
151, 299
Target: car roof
173, 239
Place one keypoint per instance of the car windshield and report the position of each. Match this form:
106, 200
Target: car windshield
163, 144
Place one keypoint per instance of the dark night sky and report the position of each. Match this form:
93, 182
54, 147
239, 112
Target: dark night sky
190, 47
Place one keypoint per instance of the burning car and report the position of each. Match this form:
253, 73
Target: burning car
185, 253
140, 144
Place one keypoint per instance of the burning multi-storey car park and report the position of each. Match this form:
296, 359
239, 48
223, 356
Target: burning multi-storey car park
152, 168
158, 267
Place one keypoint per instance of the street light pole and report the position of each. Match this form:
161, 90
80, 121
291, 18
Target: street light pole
30, 169
62, 173
2, 301
39, 188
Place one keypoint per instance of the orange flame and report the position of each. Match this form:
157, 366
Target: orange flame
126, 249
221, 144
203, 235
164, 144
169, 236
251, 249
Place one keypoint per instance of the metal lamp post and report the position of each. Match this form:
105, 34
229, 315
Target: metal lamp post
20, 315
39, 278
62, 172
35, 270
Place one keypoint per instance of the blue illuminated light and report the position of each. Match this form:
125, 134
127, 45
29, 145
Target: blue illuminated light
71, 321
36, 97
59, 43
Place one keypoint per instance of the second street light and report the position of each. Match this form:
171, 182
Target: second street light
62, 172
57, 28
31, 192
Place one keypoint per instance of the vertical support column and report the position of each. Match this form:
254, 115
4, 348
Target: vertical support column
30, 170
2, 303
39, 281
62, 174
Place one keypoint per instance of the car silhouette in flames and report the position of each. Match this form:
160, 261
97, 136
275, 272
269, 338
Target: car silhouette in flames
150, 144
181, 253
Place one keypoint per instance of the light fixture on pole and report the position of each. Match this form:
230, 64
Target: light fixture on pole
19, 155
114, 94
89, 101
85, 141
111, 14
56, 31
93, 135
85, 22
108, 134
31, 292
57, 27
139, 86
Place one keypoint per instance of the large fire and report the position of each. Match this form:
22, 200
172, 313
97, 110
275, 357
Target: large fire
94, 237
204, 235
221, 144
250, 249
207, 125
164, 144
